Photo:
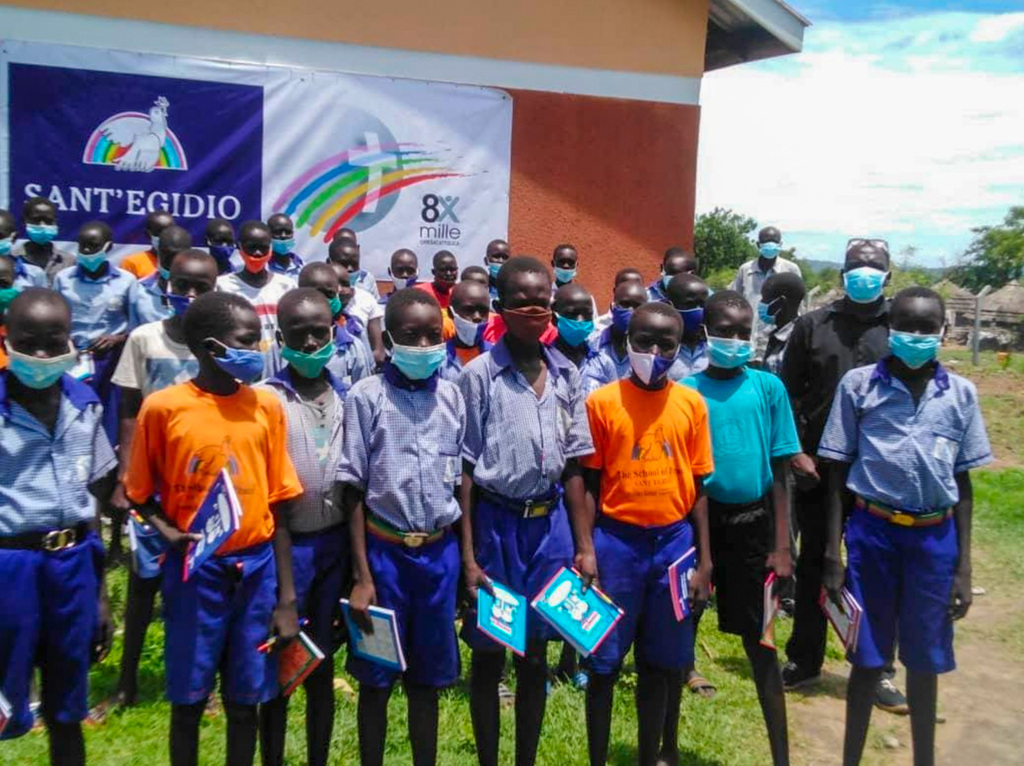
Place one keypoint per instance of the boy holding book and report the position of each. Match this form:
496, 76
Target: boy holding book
403, 434
185, 437
646, 509
313, 400
903, 435
754, 435
521, 484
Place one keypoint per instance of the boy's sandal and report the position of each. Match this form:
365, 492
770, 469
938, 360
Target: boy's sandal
700, 686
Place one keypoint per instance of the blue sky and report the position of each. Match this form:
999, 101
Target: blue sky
903, 120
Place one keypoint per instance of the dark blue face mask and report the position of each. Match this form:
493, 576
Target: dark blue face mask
222, 253
241, 364
692, 319
179, 303
620, 318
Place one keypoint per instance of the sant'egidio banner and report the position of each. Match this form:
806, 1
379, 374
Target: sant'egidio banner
113, 135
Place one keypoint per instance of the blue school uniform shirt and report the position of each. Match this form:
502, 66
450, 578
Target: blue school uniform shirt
150, 304
605, 347
596, 370
751, 423
518, 442
401, 447
28, 274
689, 362
903, 455
103, 306
351, 361
47, 475
291, 269
453, 367
656, 292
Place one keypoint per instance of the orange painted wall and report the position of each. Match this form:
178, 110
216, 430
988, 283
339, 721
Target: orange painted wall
616, 178
660, 36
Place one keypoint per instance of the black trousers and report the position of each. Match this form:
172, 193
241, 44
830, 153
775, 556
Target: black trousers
806, 646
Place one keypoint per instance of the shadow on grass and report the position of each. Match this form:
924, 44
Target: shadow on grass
830, 685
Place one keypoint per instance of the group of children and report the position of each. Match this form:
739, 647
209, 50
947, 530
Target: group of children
406, 451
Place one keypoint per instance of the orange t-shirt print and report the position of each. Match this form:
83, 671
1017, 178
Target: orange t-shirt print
648, 445
185, 436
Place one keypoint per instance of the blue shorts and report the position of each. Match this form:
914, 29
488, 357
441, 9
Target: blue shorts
521, 554
903, 577
48, 618
320, 563
420, 584
148, 549
632, 566
215, 622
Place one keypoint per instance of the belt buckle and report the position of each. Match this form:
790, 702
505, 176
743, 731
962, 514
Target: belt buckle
902, 519
414, 539
58, 540
534, 510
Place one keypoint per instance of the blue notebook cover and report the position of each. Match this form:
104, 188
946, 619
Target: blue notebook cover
679, 573
502, 617
216, 520
383, 646
583, 619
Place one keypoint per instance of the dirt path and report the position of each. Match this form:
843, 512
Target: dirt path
982, 701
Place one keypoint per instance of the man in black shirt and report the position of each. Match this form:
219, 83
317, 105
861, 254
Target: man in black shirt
826, 344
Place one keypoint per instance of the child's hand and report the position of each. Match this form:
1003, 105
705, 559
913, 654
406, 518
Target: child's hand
780, 561
961, 598
119, 499
106, 343
176, 538
104, 636
833, 575
586, 565
700, 587
285, 622
362, 597
476, 579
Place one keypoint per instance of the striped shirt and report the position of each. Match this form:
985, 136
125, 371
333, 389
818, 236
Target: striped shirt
102, 306
264, 299
352, 360
519, 443
904, 455
401, 447
314, 445
47, 475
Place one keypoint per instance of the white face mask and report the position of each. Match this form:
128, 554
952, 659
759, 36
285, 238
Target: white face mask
648, 367
403, 282
465, 330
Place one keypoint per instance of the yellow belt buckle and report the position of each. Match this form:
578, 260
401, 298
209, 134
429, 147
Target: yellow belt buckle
414, 539
58, 540
535, 510
902, 519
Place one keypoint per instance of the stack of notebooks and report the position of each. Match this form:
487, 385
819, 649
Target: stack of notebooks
844, 616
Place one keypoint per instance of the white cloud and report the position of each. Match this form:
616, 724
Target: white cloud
894, 128
994, 29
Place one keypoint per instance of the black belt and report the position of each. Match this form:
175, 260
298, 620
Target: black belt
533, 508
51, 542
731, 514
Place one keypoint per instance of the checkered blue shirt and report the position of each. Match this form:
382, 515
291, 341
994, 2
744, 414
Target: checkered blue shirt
596, 370
602, 343
401, 446
46, 475
351, 361
904, 456
103, 306
518, 442
150, 305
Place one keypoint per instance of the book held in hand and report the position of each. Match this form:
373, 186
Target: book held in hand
383, 646
502, 617
845, 617
296, 661
771, 609
680, 572
584, 619
6, 711
216, 520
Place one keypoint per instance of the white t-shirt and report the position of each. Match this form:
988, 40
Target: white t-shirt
151, 361
264, 300
364, 307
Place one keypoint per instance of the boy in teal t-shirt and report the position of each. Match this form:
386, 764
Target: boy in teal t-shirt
753, 435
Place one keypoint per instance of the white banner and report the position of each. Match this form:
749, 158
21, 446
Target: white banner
113, 135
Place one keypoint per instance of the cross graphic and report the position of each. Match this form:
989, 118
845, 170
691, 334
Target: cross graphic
375, 161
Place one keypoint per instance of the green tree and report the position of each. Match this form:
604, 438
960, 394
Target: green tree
722, 241
996, 256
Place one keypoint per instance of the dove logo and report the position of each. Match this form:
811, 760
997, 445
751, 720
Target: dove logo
359, 186
137, 142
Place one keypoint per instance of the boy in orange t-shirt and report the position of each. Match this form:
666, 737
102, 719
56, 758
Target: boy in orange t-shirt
184, 436
143, 263
652, 450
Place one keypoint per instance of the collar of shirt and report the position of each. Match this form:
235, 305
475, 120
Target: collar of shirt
20, 267
353, 325
294, 262
695, 353
152, 284
342, 336
656, 291
845, 306
482, 345
108, 275
76, 392
284, 379
782, 334
395, 377
882, 373
501, 358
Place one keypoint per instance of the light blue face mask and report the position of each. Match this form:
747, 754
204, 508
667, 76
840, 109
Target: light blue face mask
154, 243
41, 233
574, 331
665, 279
240, 363
764, 312
769, 250
564, 276
6, 245
729, 353
415, 362
912, 349
284, 246
493, 269
39, 373
92, 263
864, 285
165, 274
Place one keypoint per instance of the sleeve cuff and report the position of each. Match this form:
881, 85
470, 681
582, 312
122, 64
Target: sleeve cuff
969, 465
836, 455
